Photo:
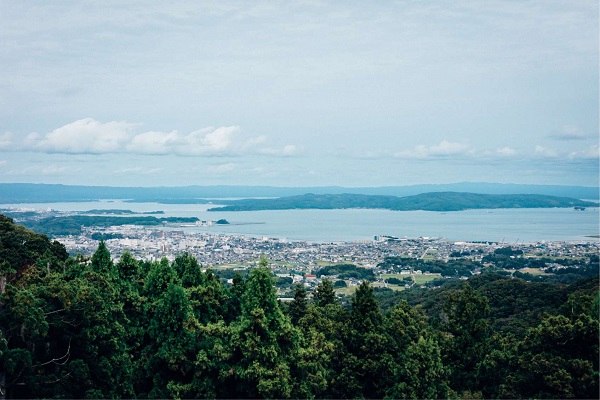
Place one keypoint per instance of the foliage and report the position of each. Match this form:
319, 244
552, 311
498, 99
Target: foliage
347, 271
434, 201
71, 225
98, 328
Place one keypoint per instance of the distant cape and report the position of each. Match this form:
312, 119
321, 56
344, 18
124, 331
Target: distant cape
436, 201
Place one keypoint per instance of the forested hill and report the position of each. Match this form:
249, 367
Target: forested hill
127, 328
437, 201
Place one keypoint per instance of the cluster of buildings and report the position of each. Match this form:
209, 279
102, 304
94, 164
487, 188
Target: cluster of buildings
212, 250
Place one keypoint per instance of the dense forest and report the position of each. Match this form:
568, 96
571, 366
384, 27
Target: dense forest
433, 201
73, 224
75, 327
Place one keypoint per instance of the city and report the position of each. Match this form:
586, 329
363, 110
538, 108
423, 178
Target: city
218, 250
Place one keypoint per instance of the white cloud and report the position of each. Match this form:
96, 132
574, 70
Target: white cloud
84, 136
3, 162
569, 132
138, 171
444, 149
6, 140
153, 142
45, 170
286, 151
57, 170
222, 168
88, 136
545, 152
506, 152
593, 152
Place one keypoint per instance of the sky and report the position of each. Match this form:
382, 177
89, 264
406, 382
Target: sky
299, 93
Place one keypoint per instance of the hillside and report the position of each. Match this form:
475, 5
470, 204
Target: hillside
127, 328
437, 201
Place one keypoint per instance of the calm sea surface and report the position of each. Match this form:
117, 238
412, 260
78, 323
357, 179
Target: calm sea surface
510, 225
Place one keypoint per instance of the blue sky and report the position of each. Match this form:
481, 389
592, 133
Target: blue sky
299, 93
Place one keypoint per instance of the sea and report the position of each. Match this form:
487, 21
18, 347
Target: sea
347, 225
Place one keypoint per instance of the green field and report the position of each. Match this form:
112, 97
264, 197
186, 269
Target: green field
419, 279
533, 271
227, 266
389, 286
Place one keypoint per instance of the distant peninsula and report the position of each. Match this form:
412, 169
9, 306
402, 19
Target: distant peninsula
435, 201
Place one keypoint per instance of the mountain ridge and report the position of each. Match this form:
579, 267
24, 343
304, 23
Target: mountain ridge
47, 193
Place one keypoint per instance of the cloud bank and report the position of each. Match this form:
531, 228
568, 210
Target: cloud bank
444, 149
89, 136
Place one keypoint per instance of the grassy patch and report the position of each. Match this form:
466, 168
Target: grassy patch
422, 279
348, 290
322, 263
389, 286
533, 271
227, 266
419, 279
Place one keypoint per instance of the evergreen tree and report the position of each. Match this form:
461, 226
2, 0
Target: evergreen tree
237, 291
160, 276
264, 342
558, 358
188, 270
101, 260
170, 354
468, 325
420, 374
209, 299
369, 362
324, 293
297, 308
128, 268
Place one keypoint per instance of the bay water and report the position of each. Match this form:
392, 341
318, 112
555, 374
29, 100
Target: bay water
497, 225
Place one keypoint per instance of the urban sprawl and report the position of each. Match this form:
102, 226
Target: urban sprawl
221, 250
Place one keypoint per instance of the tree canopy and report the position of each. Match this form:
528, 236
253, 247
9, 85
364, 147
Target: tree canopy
75, 327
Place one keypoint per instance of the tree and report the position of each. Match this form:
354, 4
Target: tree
362, 363
468, 327
128, 267
237, 291
160, 276
421, 373
365, 314
188, 270
209, 299
101, 261
297, 308
263, 342
172, 349
324, 293
558, 358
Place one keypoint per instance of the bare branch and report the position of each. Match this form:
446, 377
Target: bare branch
58, 361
